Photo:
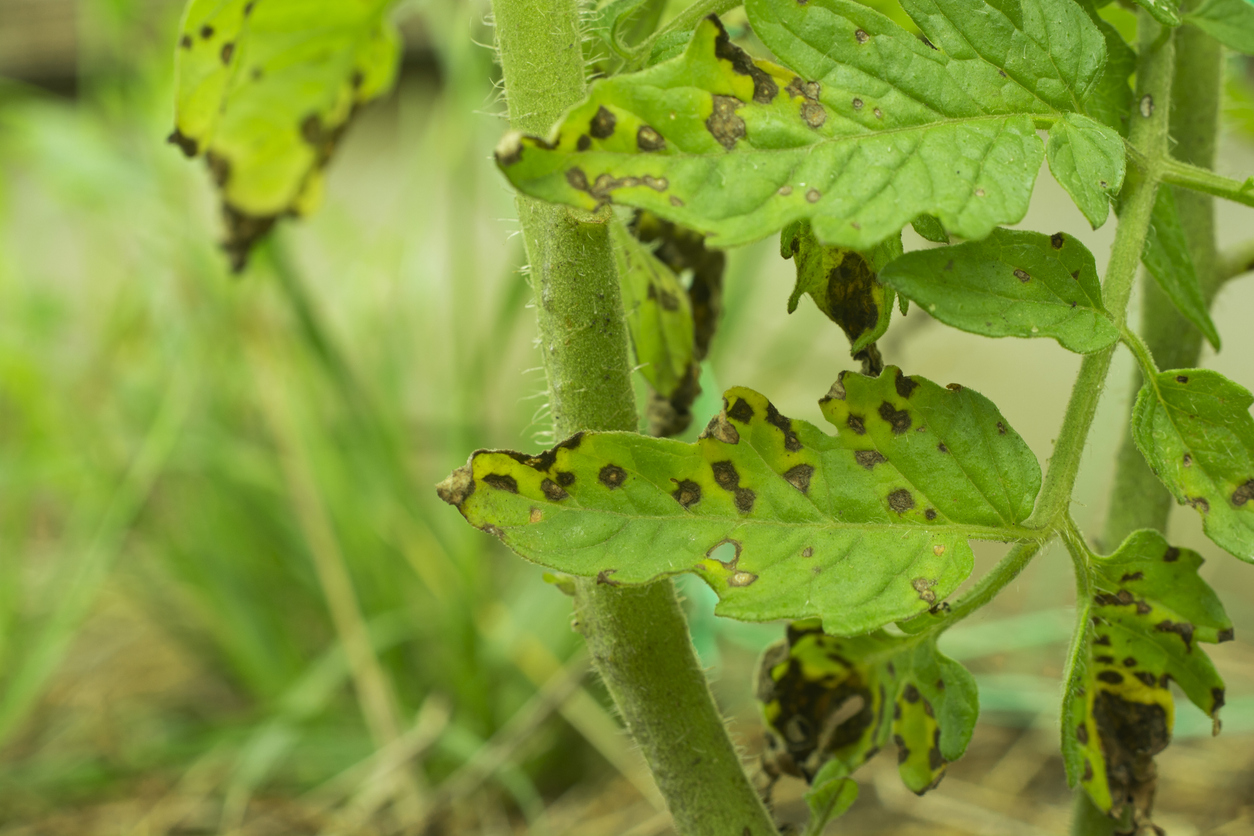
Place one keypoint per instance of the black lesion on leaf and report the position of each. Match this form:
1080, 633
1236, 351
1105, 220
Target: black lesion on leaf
1217, 699
1181, 378
741, 411
1082, 733
502, 482
553, 491
799, 476
1131, 733
1226, 635
855, 423
602, 124
1200, 503
206, 31
764, 87
185, 143
910, 693
725, 475
903, 751
1131, 576
687, 493
1001, 428
898, 419
934, 759
582, 144
1181, 628
784, 424
1111, 677
1171, 555
612, 476
744, 500
1147, 678
869, 458
905, 385
1102, 640
603, 577
723, 124
647, 139
722, 430
923, 586
665, 299
1022, 275
186, 42
930, 513
1057, 240
1243, 494
228, 49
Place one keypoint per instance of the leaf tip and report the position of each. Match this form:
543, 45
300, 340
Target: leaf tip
509, 150
459, 485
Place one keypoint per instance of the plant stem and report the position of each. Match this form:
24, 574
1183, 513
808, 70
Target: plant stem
1137, 498
1007, 569
1148, 135
637, 636
1199, 179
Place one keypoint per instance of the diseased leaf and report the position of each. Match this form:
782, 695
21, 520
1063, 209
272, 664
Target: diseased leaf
1087, 159
1149, 611
659, 320
868, 128
1012, 284
1166, 12
264, 90
827, 699
831, 794
1194, 428
620, 24
779, 518
1170, 262
1231, 22
843, 285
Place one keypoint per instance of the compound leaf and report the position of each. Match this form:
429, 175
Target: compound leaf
779, 518
264, 90
827, 699
1013, 283
867, 129
1087, 159
1167, 257
1150, 609
1231, 22
1194, 428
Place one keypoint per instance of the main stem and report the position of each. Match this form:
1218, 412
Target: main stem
1138, 499
637, 636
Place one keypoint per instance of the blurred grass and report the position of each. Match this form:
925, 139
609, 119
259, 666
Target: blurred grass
230, 601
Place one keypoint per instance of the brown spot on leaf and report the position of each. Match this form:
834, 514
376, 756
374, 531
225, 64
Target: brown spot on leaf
1057, 240
1082, 734
1187, 460
813, 114
742, 579
1171, 555
1217, 697
1147, 678
185, 143
785, 190
903, 753
603, 577
1022, 275
879, 114
900, 500
1243, 494
553, 491
930, 513
744, 500
612, 476
721, 429
1104, 660
1129, 662
186, 42
602, 124
813, 195
905, 386
799, 476
1001, 428
1181, 628
676, 202
911, 693
647, 139
1132, 576
725, 475
741, 411
861, 36
687, 493
934, 759
942, 447
724, 125
1088, 771
869, 458
808, 551
857, 103
228, 49
502, 482
582, 144
855, 423
536, 515
764, 87
1226, 635
1112, 677
784, 425
1180, 378
923, 586
206, 31
898, 419
459, 485
1102, 640
1200, 503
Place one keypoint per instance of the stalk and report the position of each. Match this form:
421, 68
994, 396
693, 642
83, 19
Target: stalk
637, 636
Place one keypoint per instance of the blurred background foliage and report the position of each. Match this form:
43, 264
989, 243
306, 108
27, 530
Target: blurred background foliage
230, 601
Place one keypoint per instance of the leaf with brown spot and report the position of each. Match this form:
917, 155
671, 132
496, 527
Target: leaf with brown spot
827, 699
1148, 614
1207, 416
777, 486
268, 135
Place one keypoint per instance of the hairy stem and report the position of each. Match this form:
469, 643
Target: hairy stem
637, 636
1148, 136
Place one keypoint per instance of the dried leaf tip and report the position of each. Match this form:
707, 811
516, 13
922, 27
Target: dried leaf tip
459, 485
509, 150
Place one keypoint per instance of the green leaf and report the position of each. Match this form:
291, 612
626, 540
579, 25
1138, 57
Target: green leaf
659, 317
1231, 22
621, 24
1110, 101
1012, 284
829, 700
1166, 12
1194, 428
1150, 609
868, 128
779, 518
930, 228
1170, 262
831, 794
264, 91
842, 283
1087, 159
